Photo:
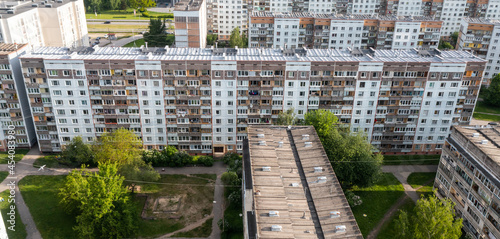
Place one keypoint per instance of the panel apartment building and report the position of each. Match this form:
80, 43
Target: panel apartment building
290, 188
44, 23
330, 31
15, 115
191, 24
481, 36
469, 174
203, 100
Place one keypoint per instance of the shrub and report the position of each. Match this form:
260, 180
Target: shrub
145, 14
207, 161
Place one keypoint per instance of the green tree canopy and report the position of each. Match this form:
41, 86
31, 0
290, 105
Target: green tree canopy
100, 203
287, 117
445, 45
432, 218
211, 39
157, 36
141, 3
454, 39
351, 155
77, 153
139, 171
235, 39
492, 96
120, 147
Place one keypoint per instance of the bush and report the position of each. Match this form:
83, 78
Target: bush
145, 14
353, 199
171, 157
168, 15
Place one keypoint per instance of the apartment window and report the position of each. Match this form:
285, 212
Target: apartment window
52, 73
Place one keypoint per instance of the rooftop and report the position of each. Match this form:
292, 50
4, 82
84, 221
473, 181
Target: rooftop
12, 8
296, 192
188, 5
482, 20
339, 16
251, 54
7, 48
487, 139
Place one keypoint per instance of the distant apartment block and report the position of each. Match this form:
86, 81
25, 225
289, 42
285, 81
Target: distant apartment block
44, 23
15, 115
191, 24
330, 31
203, 100
469, 174
226, 15
481, 37
290, 188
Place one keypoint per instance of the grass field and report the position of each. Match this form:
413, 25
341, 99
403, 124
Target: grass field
49, 161
4, 156
377, 200
116, 27
3, 175
122, 15
481, 107
411, 159
493, 118
20, 229
197, 193
41, 195
203, 231
388, 229
423, 180
138, 43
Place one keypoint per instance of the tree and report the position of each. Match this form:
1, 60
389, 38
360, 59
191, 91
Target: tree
492, 96
120, 147
432, 218
100, 203
77, 153
211, 39
229, 178
454, 39
112, 4
445, 45
93, 5
157, 36
235, 38
324, 121
287, 118
351, 154
141, 3
139, 171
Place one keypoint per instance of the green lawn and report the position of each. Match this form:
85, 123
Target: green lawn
41, 196
49, 161
4, 156
377, 200
482, 107
138, 43
123, 15
116, 28
418, 159
486, 117
3, 175
416, 180
202, 231
388, 229
20, 230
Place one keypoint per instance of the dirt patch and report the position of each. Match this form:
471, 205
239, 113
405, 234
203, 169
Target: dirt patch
168, 204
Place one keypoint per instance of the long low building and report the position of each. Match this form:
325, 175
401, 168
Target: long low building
203, 100
469, 174
290, 188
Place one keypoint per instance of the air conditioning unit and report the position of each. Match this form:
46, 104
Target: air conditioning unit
484, 141
266, 168
280, 144
318, 169
322, 179
274, 214
334, 214
475, 135
276, 228
260, 135
308, 144
262, 143
305, 137
340, 228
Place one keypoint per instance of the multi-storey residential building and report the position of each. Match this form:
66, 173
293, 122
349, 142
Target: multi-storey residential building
15, 115
290, 188
202, 100
227, 15
323, 31
469, 174
42, 23
481, 37
191, 23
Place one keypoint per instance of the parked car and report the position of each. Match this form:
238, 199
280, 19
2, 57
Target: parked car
98, 38
107, 22
493, 123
